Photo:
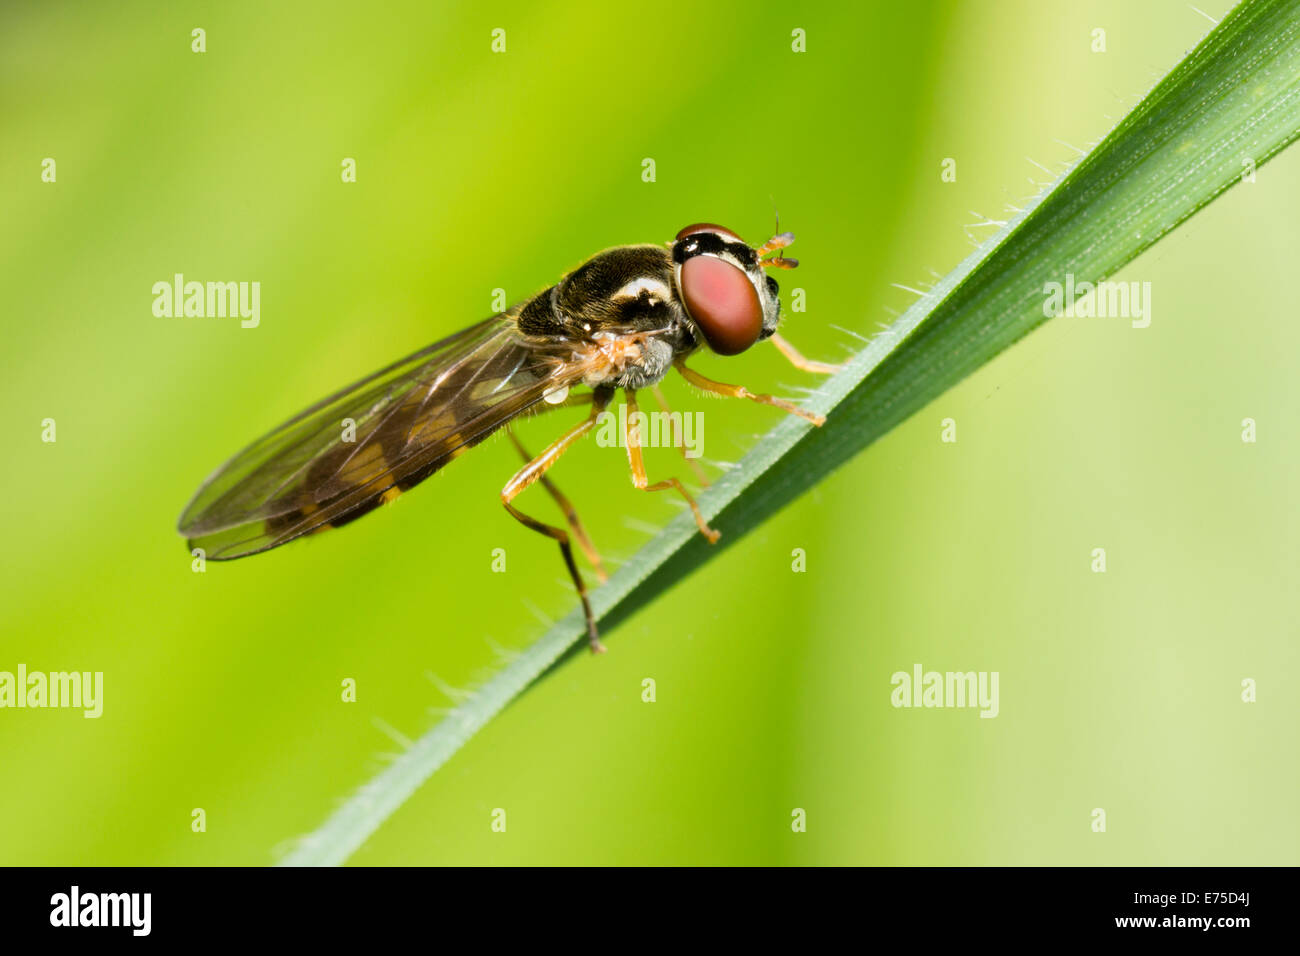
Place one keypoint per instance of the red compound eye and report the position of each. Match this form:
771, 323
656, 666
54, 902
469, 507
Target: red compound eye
707, 227
723, 303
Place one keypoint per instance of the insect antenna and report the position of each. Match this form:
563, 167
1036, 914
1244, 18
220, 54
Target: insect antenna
777, 243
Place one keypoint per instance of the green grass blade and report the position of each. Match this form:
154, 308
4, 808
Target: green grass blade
1236, 97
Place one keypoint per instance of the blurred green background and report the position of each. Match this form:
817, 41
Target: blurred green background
479, 170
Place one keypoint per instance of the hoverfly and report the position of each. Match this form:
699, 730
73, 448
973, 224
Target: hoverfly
620, 320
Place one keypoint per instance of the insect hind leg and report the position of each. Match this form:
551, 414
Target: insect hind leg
532, 472
570, 514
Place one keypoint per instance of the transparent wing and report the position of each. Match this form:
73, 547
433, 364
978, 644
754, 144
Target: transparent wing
369, 442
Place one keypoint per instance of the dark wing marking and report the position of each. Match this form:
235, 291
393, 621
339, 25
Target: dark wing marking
410, 419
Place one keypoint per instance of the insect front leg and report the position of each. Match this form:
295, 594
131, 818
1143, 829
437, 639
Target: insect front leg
638, 469
739, 391
570, 513
532, 472
797, 359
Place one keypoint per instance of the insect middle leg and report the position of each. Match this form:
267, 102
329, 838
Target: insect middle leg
570, 514
533, 471
639, 478
681, 445
739, 391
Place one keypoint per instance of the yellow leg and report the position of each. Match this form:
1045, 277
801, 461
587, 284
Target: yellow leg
739, 391
691, 463
532, 472
796, 358
638, 469
570, 514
